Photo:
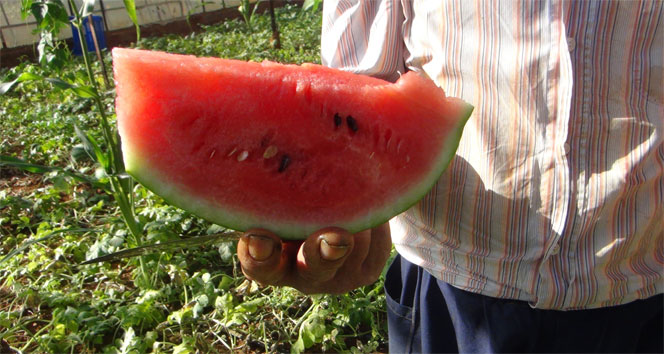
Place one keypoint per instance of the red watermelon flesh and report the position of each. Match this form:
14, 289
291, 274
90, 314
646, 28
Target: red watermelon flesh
283, 147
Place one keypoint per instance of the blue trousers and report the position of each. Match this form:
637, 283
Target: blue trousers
426, 315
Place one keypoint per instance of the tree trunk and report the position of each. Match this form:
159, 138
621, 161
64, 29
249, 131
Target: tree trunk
276, 38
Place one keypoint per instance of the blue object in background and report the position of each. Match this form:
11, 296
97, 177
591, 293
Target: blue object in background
98, 25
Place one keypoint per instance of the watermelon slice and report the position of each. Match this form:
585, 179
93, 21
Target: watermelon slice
289, 148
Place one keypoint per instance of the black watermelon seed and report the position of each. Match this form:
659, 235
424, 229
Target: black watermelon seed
337, 120
285, 161
352, 124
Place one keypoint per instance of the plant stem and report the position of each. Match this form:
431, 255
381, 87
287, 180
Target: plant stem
106, 129
126, 209
35, 335
93, 32
276, 37
122, 190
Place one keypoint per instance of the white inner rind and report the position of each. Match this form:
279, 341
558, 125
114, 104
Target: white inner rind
140, 168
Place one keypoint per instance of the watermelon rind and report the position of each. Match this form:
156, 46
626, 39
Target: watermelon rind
139, 167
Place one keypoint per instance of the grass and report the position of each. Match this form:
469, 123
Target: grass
192, 300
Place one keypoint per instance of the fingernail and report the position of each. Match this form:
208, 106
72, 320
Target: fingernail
260, 247
331, 247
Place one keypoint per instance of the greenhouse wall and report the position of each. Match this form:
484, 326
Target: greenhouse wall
16, 31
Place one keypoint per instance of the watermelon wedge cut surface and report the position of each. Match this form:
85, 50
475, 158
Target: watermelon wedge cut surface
288, 148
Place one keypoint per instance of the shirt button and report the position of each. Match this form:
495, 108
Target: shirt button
555, 250
571, 43
566, 148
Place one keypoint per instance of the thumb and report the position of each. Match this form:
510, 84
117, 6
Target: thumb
259, 252
323, 253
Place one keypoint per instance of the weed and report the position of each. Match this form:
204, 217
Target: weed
193, 299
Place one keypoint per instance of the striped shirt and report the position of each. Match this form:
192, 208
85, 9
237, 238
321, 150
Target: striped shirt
556, 194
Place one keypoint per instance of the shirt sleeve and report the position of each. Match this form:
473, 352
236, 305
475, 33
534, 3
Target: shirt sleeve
363, 37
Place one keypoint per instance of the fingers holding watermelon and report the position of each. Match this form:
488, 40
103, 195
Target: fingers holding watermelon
328, 261
260, 253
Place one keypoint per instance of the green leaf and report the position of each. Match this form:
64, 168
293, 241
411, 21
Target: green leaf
26, 8
38, 11
7, 86
34, 168
181, 315
92, 148
311, 5
197, 241
187, 346
51, 53
24, 165
60, 183
128, 341
81, 91
227, 251
50, 15
79, 153
224, 302
251, 306
298, 346
225, 283
130, 6
57, 13
87, 8
27, 244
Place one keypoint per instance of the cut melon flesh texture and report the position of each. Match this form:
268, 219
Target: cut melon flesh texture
247, 144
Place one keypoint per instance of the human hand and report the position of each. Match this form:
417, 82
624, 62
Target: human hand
329, 261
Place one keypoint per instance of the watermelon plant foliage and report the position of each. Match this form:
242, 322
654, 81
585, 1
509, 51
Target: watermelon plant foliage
57, 209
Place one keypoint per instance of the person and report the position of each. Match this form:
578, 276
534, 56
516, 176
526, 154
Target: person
546, 232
